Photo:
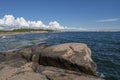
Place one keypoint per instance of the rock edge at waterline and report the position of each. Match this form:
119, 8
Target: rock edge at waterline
69, 61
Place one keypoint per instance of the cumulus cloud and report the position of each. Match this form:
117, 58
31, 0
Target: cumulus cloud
108, 20
55, 23
9, 22
75, 29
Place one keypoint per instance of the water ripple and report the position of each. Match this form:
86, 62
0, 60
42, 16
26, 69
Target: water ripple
105, 47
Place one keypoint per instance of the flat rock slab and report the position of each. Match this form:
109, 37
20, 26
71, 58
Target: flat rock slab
23, 72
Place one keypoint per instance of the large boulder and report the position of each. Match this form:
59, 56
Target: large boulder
71, 56
70, 61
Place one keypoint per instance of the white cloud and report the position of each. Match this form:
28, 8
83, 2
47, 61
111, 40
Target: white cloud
108, 20
75, 29
9, 22
56, 24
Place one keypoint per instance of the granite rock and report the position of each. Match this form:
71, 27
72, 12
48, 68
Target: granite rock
70, 61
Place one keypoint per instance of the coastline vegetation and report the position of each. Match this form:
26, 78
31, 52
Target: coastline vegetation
26, 30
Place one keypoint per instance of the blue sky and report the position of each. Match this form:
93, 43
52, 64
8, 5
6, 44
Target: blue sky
85, 14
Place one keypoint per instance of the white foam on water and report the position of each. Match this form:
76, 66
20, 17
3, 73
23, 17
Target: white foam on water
3, 37
100, 75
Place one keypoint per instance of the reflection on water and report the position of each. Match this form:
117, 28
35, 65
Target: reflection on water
18, 41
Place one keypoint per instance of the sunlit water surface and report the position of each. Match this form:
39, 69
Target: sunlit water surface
105, 47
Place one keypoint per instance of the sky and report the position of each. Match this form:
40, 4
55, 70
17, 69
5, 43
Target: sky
61, 14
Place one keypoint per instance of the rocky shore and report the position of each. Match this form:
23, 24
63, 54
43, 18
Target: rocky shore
69, 61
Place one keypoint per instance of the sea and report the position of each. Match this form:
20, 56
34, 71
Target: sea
105, 47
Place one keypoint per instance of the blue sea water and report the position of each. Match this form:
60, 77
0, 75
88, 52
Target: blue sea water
105, 47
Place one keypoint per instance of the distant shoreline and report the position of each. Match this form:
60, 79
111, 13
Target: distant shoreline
23, 31
16, 33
